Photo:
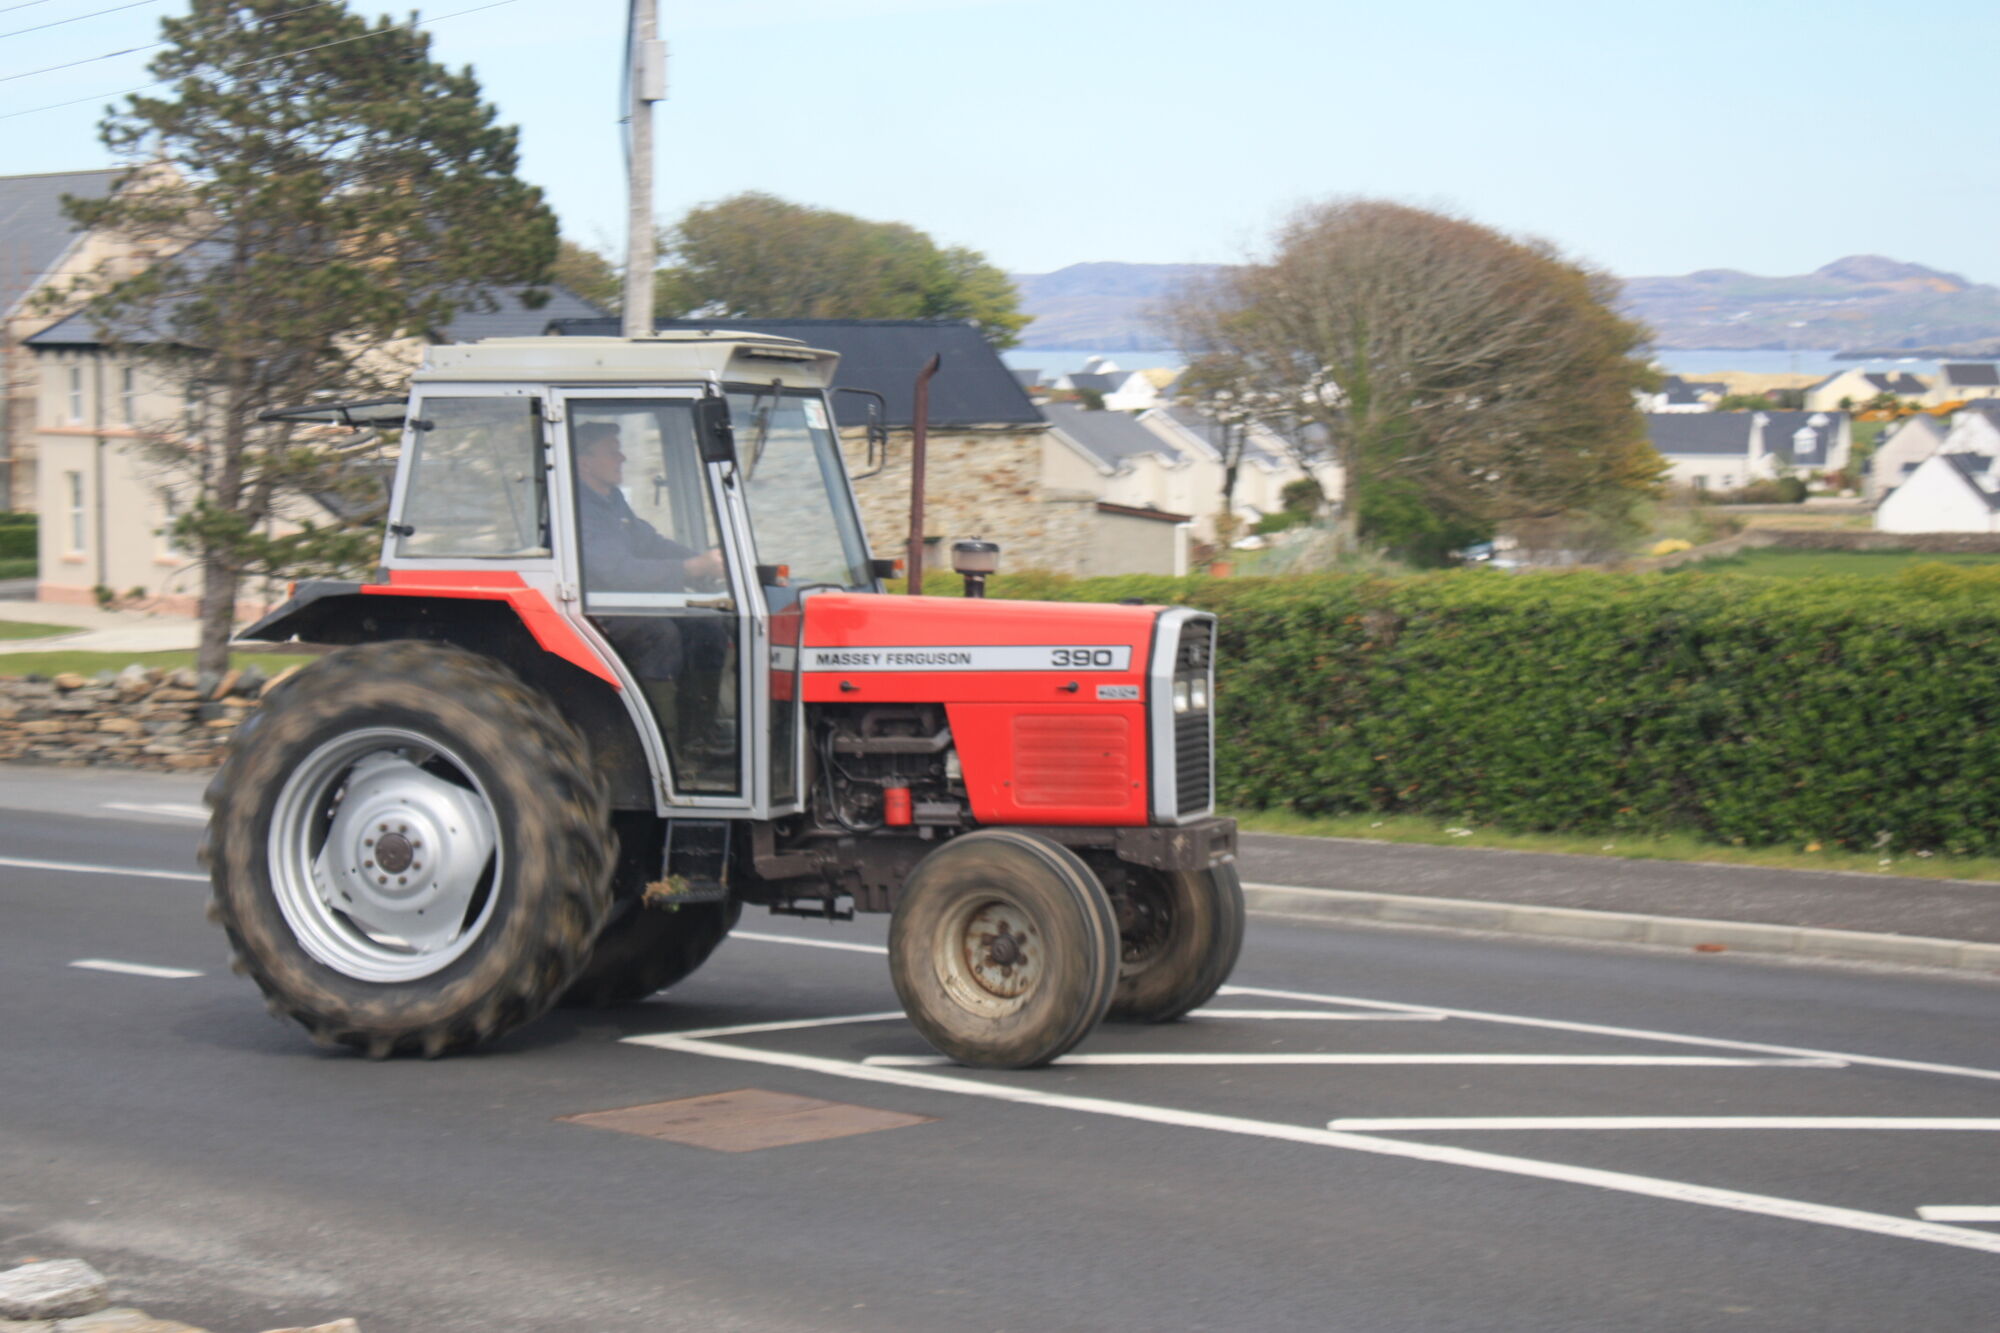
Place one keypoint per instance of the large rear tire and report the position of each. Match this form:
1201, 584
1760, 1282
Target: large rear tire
409, 849
1180, 934
1003, 949
643, 949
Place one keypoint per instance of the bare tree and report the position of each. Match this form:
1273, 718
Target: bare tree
1458, 375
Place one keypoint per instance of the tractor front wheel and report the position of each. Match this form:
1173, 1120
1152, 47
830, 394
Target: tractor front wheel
1003, 949
410, 849
1180, 932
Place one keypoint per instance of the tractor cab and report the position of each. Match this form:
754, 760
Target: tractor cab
668, 497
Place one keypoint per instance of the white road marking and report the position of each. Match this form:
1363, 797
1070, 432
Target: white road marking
76, 868
133, 969
1347, 1058
842, 945
745, 1029
1734, 1200
1958, 1212
172, 808
1317, 1017
1411, 1123
1604, 1030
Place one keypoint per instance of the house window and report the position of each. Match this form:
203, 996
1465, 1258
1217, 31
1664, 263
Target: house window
128, 395
169, 543
76, 393
1701, 483
74, 485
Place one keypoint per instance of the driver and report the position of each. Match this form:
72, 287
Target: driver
621, 551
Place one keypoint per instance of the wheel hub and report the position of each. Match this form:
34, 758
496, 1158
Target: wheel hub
1000, 954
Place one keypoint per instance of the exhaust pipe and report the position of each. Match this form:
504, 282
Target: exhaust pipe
919, 440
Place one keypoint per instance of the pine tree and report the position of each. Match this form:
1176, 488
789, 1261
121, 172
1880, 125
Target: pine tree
310, 189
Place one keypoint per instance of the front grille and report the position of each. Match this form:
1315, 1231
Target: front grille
1193, 734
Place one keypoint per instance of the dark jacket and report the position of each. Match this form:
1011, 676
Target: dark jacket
623, 552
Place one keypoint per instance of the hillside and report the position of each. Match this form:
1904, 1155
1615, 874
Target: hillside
1862, 301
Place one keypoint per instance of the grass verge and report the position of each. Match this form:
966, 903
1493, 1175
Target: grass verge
1670, 847
28, 629
89, 664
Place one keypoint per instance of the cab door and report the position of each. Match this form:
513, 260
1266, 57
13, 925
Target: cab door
655, 562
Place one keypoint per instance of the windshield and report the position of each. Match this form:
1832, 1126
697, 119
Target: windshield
800, 514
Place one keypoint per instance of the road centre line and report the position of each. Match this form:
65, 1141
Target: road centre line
73, 867
1958, 1212
841, 945
1410, 1124
1606, 1030
1617, 1181
175, 809
1349, 1058
133, 969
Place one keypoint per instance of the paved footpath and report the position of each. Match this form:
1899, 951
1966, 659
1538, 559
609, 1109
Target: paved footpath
1881, 918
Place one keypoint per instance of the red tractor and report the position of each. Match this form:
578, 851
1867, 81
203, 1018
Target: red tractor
627, 665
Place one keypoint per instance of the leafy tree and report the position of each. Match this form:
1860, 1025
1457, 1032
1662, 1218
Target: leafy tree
590, 274
1465, 380
312, 187
755, 256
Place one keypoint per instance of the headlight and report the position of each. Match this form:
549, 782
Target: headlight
1180, 696
1199, 695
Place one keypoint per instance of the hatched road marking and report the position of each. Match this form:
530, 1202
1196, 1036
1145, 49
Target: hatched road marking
80, 869
1958, 1212
133, 969
1669, 1122
1349, 1058
173, 808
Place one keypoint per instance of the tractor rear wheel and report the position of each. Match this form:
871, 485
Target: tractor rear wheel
1180, 934
410, 849
643, 949
1003, 949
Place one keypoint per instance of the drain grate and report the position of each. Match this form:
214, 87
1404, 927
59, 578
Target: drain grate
746, 1120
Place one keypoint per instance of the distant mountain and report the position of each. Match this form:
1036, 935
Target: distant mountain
1862, 302
1102, 307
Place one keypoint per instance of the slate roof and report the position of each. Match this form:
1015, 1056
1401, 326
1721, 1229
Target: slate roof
1986, 407
1727, 434
1112, 438
972, 388
1971, 374
33, 231
1902, 382
1972, 467
1209, 432
510, 318
1100, 382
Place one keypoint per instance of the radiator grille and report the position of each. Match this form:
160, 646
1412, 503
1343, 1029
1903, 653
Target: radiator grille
1193, 732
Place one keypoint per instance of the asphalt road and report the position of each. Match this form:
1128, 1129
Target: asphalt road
1373, 1131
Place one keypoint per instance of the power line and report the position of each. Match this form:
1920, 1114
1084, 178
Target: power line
25, 4
150, 46
261, 60
79, 18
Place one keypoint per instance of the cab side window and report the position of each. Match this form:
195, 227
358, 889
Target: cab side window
476, 482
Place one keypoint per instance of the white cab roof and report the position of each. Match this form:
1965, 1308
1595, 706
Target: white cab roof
667, 358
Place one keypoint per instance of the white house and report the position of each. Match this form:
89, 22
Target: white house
1854, 387
1902, 449
1721, 451
1122, 390
1962, 381
1948, 492
1678, 395
1973, 431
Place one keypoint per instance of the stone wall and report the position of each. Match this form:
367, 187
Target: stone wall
140, 717
977, 483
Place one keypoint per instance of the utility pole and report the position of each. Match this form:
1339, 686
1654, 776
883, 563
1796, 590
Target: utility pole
648, 78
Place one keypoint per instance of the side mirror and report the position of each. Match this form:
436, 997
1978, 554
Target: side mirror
714, 436
878, 431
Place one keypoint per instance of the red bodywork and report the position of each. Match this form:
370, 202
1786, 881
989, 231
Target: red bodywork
1037, 747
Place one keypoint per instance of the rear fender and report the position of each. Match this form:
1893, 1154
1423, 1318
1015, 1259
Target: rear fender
490, 622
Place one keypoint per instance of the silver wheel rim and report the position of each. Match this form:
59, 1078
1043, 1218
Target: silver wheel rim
385, 855
990, 956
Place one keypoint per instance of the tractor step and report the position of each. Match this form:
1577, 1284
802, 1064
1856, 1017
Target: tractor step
697, 862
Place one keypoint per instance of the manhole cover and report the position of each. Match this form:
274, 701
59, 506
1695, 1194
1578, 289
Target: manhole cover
746, 1120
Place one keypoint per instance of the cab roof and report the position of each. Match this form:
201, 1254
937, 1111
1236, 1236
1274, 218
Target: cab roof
666, 358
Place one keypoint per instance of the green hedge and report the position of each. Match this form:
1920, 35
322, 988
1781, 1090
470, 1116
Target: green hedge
1855, 712
17, 536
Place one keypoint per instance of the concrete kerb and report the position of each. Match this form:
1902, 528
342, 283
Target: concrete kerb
1628, 927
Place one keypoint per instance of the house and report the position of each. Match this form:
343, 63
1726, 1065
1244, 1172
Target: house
1948, 492
1269, 463
39, 247
992, 468
1851, 389
1721, 451
105, 503
1975, 429
1121, 390
1962, 381
1115, 455
1678, 395
1913, 440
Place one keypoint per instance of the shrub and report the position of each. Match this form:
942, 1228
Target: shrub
1282, 521
1838, 710
17, 536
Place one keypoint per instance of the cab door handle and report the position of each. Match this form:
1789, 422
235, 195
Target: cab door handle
712, 603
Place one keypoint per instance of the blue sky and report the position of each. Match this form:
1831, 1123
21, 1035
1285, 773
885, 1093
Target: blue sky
1767, 136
